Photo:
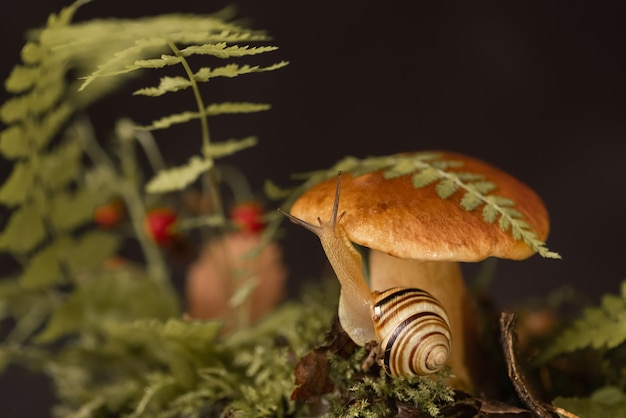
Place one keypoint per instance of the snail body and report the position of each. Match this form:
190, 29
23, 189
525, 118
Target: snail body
410, 325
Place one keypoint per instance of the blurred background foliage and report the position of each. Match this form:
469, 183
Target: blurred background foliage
535, 88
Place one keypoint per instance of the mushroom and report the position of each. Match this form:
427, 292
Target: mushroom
417, 238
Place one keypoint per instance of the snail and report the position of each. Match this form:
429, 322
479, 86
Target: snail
409, 324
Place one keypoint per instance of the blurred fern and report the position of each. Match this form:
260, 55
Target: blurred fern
599, 328
107, 335
50, 198
185, 37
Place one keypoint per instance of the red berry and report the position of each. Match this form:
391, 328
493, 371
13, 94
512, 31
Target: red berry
248, 216
109, 215
159, 225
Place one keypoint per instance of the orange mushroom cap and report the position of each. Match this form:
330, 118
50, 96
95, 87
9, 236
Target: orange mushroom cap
392, 216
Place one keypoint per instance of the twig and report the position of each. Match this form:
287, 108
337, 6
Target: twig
524, 390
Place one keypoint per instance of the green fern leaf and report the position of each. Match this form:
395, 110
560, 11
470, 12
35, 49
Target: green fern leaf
608, 401
233, 70
425, 177
32, 53
43, 269
512, 213
19, 142
212, 110
471, 201
468, 177
69, 210
446, 164
490, 213
170, 120
166, 85
61, 166
505, 223
22, 78
33, 103
24, 230
178, 178
112, 302
446, 188
19, 186
229, 147
13, 143
500, 201
402, 168
229, 33
50, 125
222, 50
117, 65
90, 250
483, 187
155, 63
599, 327
236, 107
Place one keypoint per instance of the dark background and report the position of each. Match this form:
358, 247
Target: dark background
535, 87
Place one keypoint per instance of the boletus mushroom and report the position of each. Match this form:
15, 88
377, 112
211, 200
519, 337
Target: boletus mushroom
420, 217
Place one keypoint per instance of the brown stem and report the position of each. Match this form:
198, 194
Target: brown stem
518, 377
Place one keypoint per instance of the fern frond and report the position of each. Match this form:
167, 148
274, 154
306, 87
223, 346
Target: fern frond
179, 177
61, 165
155, 63
22, 78
211, 110
234, 70
229, 147
166, 85
19, 185
171, 120
222, 50
80, 255
129, 59
34, 103
44, 269
71, 209
599, 327
117, 65
24, 230
236, 107
19, 141
608, 401
13, 144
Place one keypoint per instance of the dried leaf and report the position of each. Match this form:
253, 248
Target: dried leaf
312, 379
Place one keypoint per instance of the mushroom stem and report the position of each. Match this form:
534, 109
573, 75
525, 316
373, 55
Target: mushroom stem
444, 280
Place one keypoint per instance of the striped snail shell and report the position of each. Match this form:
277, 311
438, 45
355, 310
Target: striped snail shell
413, 331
